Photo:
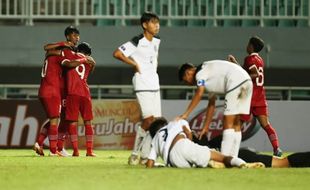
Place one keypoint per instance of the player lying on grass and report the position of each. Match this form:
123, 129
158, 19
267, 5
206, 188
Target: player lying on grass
296, 160
173, 143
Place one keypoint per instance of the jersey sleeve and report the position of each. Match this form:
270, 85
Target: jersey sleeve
153, 154
67, 55
248, 63
128, 48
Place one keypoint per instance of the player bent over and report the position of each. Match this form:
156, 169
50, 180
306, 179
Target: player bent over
172, 142
220, 77
295, 160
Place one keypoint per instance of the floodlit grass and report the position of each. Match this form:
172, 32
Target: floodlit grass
21, 169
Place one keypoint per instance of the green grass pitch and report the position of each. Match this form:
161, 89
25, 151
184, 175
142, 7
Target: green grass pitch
21, 169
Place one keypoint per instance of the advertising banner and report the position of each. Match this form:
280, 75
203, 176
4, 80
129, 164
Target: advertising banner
115, 123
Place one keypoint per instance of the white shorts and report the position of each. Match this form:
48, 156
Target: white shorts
185, 154
238, 101
150, 104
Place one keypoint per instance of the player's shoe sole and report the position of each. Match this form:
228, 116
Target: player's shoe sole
38, 149
253, 165
216, 165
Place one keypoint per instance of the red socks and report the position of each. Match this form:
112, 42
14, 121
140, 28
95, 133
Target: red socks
272, 135
62, 131
89, 134
43, 134
74, 139
52, 136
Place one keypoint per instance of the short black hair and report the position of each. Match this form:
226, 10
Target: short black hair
156, 125
84, 48
257, 43
70, 30
183, 68
147, 16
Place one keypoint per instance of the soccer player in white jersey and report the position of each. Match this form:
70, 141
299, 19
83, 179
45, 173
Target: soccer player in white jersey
172, 142
220, 77
141, 52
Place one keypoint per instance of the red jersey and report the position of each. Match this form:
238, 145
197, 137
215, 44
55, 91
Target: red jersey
76, 78
258, 96
52, 80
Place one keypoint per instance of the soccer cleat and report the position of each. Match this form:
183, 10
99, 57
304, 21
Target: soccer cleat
133, 160
91, 154
75, 154
216, 165
252, 165
64, 153
278, 152
56, 154
38, 149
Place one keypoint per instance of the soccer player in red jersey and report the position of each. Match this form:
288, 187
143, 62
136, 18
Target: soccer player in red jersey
79, 99
50, 95
254, 65
52, 78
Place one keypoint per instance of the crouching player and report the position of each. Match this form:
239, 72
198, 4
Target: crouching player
172, 142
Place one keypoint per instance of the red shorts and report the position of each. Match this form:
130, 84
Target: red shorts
78, 104
51, 105
256, 111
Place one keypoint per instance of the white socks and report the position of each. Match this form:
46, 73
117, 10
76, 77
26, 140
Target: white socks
227, 142
140, 134
231, 142
236, 145
236, 162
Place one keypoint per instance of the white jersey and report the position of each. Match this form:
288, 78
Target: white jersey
162, 140
145, 54
221, 77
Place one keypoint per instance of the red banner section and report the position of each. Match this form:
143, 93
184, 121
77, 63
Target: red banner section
115, 123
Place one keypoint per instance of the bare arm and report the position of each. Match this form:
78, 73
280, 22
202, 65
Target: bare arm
209, 115
253, 72
71, 64
120, 56
91, 62
232, 59
196, 99
56, 45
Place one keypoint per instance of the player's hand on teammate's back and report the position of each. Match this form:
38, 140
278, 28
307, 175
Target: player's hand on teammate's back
90, 61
